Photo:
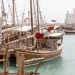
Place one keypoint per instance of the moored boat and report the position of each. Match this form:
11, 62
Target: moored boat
34, 44
69, 28
48, 48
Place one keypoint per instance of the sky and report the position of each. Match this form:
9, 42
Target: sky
50, 9
56, 9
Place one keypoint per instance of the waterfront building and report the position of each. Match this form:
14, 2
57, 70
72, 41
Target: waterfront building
70, 17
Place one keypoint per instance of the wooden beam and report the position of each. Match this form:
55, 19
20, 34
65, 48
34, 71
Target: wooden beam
21, 65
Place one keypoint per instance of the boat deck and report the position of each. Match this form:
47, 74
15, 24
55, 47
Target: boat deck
45, 50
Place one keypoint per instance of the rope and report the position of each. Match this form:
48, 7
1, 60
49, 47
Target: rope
19, 11
34, 10
23, 13
41, 18
44, 19
16, 14
9, 7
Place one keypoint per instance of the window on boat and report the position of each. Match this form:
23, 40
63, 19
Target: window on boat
59, 42
51, 43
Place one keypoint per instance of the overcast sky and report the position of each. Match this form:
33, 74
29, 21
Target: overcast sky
51, 9
56, 9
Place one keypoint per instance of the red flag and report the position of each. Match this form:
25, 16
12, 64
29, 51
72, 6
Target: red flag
4, 14
26, 49
53, 20
39, 36
50, 28
26, 19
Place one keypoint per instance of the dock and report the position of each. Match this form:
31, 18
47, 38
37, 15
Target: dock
31, 73
21, 67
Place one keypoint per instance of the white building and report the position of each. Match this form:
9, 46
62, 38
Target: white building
70, 17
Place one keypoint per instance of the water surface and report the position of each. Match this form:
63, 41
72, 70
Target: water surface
63, 65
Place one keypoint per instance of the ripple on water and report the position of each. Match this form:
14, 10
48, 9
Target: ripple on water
63, 65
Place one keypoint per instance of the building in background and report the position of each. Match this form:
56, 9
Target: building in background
70, 17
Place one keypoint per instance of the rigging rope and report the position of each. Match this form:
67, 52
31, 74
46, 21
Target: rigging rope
19, 10
41, 18
9, 7
23, 13
16, 14
34, 11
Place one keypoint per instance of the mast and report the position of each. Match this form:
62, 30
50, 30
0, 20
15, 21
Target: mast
13, 10
3, 11
31, 20
35, 20
1, 21
37, 14
31, 16
0, 30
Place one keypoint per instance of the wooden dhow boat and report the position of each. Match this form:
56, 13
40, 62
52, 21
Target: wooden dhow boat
47, 48
36, 45
68, 28
45, 45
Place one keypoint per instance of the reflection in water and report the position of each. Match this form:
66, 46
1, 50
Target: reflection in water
50, 67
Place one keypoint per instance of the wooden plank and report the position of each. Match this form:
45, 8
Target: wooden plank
27, 73
35, 59
21, 65
2, 60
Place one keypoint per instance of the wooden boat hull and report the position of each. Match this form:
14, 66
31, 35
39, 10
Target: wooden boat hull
69, 31
31, 57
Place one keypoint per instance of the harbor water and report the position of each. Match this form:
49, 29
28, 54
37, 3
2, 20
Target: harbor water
63, 65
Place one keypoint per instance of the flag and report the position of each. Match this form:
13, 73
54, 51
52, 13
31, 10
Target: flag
4, 14
39, 35
26, 19
50, 28
53, 20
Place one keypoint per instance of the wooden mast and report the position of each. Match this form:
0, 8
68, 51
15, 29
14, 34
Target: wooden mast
31, 20
31, 16
3, 12
37, 14
13, 10
0, 31
35, 17
1, 21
